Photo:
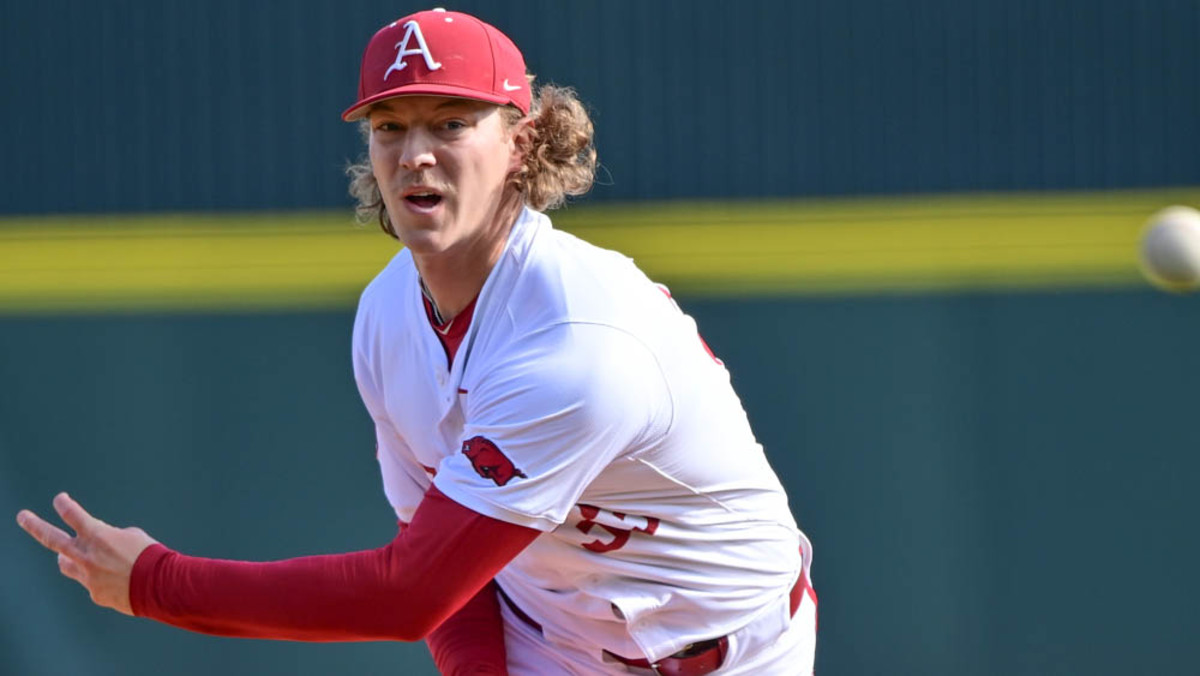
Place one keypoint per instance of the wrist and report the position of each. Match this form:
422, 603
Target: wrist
141, 579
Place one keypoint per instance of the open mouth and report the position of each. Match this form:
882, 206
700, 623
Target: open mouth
424, 200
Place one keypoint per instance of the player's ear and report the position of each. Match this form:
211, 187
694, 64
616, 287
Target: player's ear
522, 134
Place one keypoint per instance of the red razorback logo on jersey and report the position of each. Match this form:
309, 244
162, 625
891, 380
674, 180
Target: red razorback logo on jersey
489, 461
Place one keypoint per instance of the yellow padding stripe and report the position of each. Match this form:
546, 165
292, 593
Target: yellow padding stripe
804, 247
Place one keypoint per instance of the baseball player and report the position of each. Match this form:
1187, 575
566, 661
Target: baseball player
577, 485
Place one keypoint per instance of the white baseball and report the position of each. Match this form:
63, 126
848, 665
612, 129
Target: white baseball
1170, 251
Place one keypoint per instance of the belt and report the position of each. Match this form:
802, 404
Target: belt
696, 659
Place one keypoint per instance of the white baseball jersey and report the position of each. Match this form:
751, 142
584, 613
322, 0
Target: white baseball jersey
583, 403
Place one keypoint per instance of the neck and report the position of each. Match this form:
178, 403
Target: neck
454, 277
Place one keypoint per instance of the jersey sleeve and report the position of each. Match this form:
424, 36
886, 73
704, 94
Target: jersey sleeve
404, 483
547, 419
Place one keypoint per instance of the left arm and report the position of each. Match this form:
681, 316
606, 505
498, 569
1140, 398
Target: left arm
471, 641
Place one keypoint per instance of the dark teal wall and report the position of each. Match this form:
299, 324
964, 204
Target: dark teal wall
994, 483
127, 105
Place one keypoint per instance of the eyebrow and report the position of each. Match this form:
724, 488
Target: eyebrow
454, 103
389, 104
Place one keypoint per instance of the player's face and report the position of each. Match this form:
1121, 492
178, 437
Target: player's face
442, 165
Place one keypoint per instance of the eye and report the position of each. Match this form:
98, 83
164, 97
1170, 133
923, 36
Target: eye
385, 125
454, 125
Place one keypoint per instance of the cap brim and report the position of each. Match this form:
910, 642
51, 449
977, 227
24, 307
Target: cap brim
359, 110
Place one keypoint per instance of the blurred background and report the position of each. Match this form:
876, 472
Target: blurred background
909, 228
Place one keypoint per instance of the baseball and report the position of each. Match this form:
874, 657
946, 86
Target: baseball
1170, 249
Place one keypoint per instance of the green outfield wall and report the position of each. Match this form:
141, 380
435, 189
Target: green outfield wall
995, 483
982, 416
126, 105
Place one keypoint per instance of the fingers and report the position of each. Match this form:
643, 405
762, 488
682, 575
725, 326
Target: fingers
69, 567
98, 556
50, 536
73, 513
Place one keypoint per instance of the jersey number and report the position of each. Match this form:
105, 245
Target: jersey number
616, 528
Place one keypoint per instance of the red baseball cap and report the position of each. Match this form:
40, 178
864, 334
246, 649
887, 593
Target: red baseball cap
440, 53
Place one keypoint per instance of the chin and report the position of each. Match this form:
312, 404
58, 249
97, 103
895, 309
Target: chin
423, 241
416, 227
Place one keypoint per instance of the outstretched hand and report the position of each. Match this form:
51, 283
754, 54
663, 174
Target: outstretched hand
100, 557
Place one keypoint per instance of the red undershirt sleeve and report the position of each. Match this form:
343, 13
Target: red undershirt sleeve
471, 641
402, 591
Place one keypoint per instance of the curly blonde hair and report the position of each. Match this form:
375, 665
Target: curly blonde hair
559, 158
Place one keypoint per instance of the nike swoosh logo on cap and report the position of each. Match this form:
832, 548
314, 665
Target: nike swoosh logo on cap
508, 87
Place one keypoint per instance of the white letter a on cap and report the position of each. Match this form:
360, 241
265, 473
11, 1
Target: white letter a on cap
410, 29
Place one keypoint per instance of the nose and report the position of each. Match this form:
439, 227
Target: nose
417, 152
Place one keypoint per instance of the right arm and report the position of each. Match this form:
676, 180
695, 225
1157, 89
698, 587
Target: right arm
402, 591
